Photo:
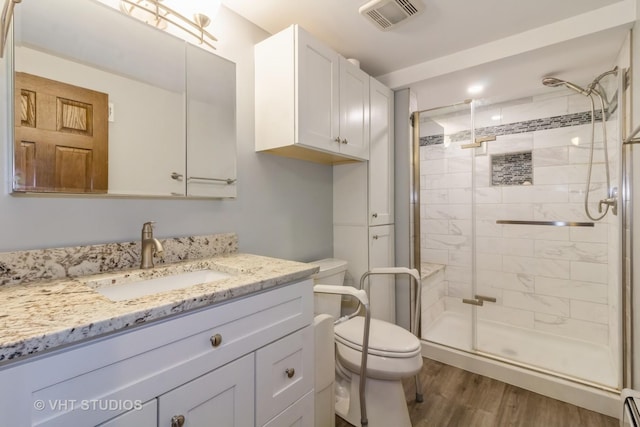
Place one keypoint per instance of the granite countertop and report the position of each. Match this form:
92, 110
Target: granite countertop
43, 315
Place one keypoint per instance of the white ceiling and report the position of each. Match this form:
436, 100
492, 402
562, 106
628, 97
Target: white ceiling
507, 45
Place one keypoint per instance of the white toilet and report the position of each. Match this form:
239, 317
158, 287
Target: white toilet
394, 354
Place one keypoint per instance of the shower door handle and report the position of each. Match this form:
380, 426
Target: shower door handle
478, 300
485, 298
478, 142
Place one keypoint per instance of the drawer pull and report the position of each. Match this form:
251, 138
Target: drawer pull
290, 372
216, 340
177, 421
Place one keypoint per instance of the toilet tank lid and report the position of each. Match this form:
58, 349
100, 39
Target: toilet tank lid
329, 266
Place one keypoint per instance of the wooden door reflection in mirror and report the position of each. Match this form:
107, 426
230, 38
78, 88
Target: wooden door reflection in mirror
61, 137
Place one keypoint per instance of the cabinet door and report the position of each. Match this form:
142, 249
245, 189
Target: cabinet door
221, 398
317, 94
354, 111
146, 416
381, 155
382, 288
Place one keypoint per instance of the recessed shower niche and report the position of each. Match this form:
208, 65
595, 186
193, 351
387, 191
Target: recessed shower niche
512, 168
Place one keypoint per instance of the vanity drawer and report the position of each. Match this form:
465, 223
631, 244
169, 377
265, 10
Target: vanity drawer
146, 362
284, 372
300, 414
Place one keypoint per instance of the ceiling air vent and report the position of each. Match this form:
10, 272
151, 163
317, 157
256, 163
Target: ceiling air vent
386, 14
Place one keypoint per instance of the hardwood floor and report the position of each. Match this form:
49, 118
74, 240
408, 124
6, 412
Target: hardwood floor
457, 398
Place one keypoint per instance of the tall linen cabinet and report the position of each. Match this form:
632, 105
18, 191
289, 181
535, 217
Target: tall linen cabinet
363, 201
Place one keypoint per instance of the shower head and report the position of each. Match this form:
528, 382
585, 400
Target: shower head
553, 82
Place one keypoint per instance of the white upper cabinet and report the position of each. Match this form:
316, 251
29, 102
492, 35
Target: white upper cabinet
317, 94
311, 103
354, 110
381, 183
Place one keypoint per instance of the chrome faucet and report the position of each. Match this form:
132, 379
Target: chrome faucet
150, 246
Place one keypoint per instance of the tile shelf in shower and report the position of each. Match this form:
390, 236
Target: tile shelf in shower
551, 223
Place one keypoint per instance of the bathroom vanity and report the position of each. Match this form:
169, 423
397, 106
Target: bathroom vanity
238, 350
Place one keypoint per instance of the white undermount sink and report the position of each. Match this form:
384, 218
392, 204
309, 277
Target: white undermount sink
137, 288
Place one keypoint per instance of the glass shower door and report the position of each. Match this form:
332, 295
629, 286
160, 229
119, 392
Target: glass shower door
550, 271
512, 267
446, 237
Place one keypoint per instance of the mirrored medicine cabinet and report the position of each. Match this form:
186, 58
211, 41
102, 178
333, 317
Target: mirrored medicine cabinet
108, 105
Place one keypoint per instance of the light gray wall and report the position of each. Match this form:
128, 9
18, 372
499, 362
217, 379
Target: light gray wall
283, 208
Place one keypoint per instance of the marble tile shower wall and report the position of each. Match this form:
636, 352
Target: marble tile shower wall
551, 279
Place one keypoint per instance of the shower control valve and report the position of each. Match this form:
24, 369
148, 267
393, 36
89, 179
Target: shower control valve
612, 202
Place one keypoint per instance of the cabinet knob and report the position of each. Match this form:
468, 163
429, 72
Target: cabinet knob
375, 237
290, 372
177, 421
344, 141
375, 215
216, 340
336, 139
177, 176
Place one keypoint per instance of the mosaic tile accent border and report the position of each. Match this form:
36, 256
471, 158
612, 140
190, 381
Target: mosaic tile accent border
575, 119
512, 169
432, 140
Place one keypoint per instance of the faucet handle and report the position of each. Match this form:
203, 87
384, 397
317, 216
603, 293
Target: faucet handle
148, 224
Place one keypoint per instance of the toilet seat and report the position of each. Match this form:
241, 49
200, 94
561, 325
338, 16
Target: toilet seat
378, 367
385, 339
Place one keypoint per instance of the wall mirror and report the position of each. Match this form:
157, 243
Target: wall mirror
106, 104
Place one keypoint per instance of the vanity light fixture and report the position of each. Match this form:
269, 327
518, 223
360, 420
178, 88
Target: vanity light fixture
160, 14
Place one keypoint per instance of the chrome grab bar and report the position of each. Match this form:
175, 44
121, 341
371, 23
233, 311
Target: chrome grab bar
551, 223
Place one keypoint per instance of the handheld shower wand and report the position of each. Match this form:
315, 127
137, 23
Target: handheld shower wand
611, 200
553, 82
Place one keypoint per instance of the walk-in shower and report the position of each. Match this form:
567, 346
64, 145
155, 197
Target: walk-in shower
515, 266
